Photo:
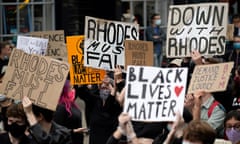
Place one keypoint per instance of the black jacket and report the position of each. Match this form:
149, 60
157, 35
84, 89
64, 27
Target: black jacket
58, 134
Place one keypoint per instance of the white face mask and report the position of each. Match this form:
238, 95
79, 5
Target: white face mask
169, 127
158, 22
5, 57
188, 142
185, 142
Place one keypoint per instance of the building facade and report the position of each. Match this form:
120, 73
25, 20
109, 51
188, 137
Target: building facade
24, 16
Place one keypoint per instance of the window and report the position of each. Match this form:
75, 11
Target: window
24, 16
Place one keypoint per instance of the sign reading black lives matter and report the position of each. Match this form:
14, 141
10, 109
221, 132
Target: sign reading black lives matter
154, 94
104, 42
201, 27
38, 77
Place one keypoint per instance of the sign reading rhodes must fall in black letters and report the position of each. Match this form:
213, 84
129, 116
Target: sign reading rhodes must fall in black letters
104, 42
38, 77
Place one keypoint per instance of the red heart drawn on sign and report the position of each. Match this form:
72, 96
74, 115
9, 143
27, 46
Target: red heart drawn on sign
178, 90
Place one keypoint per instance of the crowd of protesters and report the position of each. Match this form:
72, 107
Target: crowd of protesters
207, 118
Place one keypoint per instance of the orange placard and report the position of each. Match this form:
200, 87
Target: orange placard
79, 74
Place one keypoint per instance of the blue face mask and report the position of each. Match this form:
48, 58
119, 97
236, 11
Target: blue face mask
158, 22
104, 93
236, 45
169, 127
2, 97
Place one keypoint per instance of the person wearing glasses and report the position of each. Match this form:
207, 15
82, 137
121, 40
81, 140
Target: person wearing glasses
232, 126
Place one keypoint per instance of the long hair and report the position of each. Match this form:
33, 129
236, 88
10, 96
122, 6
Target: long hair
67, 98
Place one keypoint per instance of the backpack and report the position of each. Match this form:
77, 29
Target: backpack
214, 104
220, 131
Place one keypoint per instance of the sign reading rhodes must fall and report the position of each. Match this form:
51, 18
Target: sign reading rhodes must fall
38, 77
104, 42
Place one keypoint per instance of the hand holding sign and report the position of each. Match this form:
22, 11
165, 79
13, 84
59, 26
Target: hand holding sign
196, 57
189, 101
178, 123
27, 104
198, 95
125, 125
118, 74
123, 119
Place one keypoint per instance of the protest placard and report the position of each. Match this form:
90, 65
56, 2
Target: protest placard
38, 77
104, 39
154, 94
32, 45
56, 43
138, 52
211, 77
201, 27
79, 74
230, 31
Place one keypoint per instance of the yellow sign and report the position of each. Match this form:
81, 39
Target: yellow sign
79, 74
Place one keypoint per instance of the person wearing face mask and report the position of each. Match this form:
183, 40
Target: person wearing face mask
157, 35
102, 109
232, 126
68, 113
16, 126
42, 128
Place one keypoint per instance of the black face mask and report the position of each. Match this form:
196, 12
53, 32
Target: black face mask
16, 130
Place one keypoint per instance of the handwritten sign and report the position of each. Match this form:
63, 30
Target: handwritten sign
32, 45
200, 27
104, 39
138, 52
211, 78
38, 77
230, 31
154, 94
56, 43
79, 74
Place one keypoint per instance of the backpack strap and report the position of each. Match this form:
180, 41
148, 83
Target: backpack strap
210, 110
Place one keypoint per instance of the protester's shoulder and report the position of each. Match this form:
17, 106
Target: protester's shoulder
28, 140
4, 137
60, 108
60, 129
149, 28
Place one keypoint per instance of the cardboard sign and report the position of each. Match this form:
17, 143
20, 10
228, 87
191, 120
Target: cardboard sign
104, 39
79, 74
200, 27
138, 53
230, 31
38, 77
32, 45
56, 43
210, 78
155, 94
